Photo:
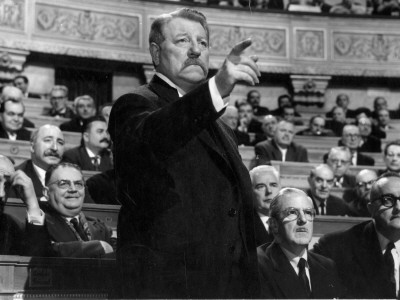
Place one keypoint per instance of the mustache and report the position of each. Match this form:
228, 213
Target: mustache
197, 62
52, 153
105, 140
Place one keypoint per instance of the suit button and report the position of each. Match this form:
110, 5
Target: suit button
232, 212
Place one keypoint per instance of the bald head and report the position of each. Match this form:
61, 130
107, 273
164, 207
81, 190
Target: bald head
364, 180
231, 117
11, 93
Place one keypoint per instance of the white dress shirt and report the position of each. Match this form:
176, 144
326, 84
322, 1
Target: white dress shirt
294, 261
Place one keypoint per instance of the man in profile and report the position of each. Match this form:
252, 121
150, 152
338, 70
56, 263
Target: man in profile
287, 269
186, 227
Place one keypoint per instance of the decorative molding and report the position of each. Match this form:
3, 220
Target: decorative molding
309, 90
12, 14
310, 44
11, 62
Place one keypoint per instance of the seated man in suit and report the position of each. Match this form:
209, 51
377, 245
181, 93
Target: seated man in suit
62, 229
343, 101
94, 153
287, 269
351, 138
47, 148
383, 123
338, 121
231, 118
247, 122
15, 94
59, 102
254, 98
85, 108
283, 101
281, 148
266, 185
289, 114
358, 197
339, 159
321, 182
391, 157
369, 142
316, 128
12, 118
268, 127
22, 82
364, 254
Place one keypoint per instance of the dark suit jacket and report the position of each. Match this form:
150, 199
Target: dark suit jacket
22, 134
268, 150
334, 206
80, 157
186, 224
74, 125
56, 238
27, 123
243, 138
262, 235
371, 144
359, 260
102, 188
349, 181
280, 281
308, 132
364, 160
11, 235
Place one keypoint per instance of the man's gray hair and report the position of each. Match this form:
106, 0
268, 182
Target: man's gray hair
263, 169
275, 207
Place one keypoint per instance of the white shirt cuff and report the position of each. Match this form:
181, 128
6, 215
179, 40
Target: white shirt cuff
218, 103
36, 220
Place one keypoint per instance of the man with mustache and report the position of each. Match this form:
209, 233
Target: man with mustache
186, 227
367, 254
287, 269
281, 148
321, 181
47, 148
93, 154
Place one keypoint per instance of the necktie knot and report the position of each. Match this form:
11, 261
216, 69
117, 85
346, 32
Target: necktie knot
96, 162
78, 229
302, 264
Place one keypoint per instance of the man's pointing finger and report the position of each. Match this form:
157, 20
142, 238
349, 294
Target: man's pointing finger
240, 47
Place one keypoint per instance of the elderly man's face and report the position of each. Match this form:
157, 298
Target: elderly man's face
13, 116
183, 55
392, 158
48, 148
58, 100
338, 115
85, 109
265, 187
364, 181
365, 126
66, 191
317, 126
269, 126
321, 183
351, 137
339, 161
284, 134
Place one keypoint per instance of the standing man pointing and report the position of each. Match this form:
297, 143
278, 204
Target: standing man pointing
186, 227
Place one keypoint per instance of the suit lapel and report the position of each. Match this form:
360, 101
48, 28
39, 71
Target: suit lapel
163, 89
277, 152
58, 228
37, 184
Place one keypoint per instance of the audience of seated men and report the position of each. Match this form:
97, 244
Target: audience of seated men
351, 138
386, 7
268, 127
254, 98
281, 147
231, 118
339, 160
85, 107
102, 188
11, 235
284, 100
391, 157
368, 142
247, 122
366, 255
316, 128
338, 121
15, 94
61, 229
93, 154
380, 103
289, 115
321, 183
12, 119
266, 185
22, 82
351, 7
343, 101
287, 269
357, 198
59, 103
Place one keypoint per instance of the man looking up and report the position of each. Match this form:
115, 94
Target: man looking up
266, 185
186, 227
12, 118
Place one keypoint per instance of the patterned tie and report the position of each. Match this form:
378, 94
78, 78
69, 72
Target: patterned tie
78, 229
389, 262
303, 276
96, 162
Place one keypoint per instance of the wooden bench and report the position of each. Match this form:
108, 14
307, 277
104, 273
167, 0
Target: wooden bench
43, 120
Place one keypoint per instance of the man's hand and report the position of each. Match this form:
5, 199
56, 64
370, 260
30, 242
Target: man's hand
237, 67
26, 190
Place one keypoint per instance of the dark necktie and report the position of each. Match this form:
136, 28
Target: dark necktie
389, 262
79, 229
303, 276
95, 161
322, 207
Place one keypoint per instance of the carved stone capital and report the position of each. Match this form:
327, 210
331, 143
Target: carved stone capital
309, 90
11, 62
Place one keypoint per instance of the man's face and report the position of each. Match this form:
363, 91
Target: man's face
295, 234
338, 114
254, 99
364, 181
288, 114
284, 134
265, 187
246, 112
66, 201
383, 117
339, 161
342, 101
283, 102
48, 148
269, 126
13, 116
317, 126
97, 136
20, 83
365, 126
183, 55
321, 183
387, 219
392, 158
85, 109
380, 104
351, 137
231, 117
58, 100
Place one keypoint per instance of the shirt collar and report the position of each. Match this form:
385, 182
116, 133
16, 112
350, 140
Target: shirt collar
90, 152
40, 172
171, 84
293, 258
383, 241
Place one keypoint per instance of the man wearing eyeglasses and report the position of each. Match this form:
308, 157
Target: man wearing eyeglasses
339, 159
287, 268
59, 102
367, 255
62, 229
351, 138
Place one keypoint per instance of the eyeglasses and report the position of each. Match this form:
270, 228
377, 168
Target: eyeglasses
364, 184
292, 214
67, 184
387, 200
349, 135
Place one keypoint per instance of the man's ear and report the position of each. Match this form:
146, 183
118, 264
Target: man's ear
155, 53
85, 137
45, 191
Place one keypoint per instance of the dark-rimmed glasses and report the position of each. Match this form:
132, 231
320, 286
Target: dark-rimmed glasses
293, 213
387, 200
67, 184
